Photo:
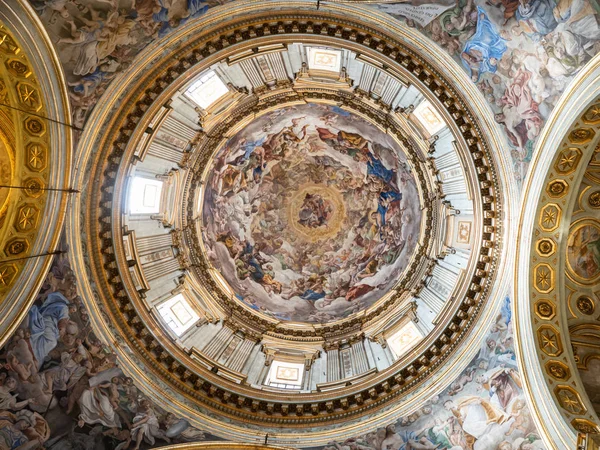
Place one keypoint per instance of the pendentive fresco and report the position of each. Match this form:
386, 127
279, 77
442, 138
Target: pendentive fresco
483, 409
521, 54
62, 389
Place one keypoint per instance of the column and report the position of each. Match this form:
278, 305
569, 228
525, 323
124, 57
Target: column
333, 364
217, 343
241, 354
148, 244
431, 299
160, 269
359, 356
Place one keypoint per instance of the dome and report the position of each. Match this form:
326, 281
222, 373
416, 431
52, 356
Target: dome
310, 213
294, 228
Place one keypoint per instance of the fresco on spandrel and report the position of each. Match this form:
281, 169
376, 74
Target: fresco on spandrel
98, 39
60, 387
483, 409
521, 54
311, 213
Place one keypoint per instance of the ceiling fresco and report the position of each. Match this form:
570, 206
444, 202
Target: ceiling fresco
311, 213
521, 55
61, 387
484, 408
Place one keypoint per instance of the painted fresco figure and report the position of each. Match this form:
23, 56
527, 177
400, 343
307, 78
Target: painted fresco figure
96, 407
383, 204
537, 17
24, 430
146, 427
392, 440
48, 323
520, 112
484, 49
578, 18
476, 416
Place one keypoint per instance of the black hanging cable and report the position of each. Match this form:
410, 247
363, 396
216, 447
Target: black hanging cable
41, 117
55, 252
39, 188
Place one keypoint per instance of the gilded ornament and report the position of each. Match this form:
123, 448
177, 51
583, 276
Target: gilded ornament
592, 115
585, 426
33, 187
34, 126
20, 91
18, 68
567, 160
549, 340
581, 135
27, 218
594, 199
7, 44
569, 399
7, 274
558, 370
35, 157
546, 247
16, 246
544, 278
544, 309
585, 305
557, 188
29, 96
550, 217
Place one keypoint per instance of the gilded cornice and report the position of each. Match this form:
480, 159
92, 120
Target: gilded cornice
547, 279
33, 90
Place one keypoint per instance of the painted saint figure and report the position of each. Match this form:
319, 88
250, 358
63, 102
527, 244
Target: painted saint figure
484, 49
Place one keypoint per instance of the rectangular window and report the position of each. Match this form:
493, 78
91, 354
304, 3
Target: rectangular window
285, 375
178, 314
144, 195
428, 117
207, 89
404, 339
324, 59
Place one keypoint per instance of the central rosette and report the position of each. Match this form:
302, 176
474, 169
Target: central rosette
316, 212
310, 213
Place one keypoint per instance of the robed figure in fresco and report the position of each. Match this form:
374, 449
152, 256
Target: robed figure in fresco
484, 49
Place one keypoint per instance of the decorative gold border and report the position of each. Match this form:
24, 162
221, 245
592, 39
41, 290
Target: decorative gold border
552, 231
44, 68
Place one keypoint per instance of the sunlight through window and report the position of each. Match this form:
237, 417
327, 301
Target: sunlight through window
404, 339
324, 59
429, 118
178, 314
285, 375
207, 89
144, 195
